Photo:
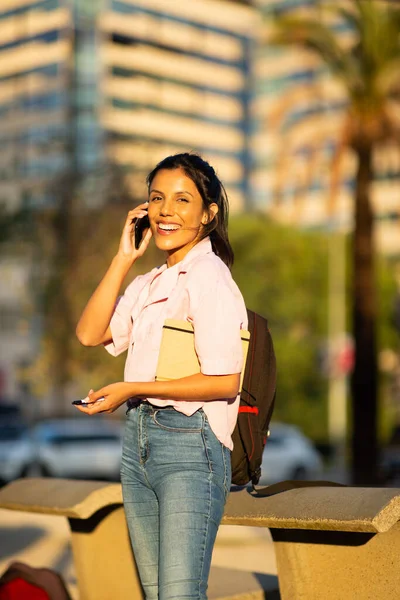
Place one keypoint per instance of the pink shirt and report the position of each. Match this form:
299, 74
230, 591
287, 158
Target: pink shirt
199, 289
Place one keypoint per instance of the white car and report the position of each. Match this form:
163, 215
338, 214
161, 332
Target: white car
289, 454
78, 448
16, 450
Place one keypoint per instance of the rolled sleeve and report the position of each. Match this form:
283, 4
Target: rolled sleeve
121, 320
217, 321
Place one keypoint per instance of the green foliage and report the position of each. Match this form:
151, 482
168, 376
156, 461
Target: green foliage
282, 274
388, 344
387, 290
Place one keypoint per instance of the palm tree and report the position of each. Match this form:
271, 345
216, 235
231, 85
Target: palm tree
369, 71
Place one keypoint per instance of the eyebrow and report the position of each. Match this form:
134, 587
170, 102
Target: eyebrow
176, 193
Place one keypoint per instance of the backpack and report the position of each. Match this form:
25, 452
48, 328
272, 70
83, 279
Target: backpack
256, 403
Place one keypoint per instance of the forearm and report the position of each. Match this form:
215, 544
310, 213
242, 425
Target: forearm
97, 314
195, 387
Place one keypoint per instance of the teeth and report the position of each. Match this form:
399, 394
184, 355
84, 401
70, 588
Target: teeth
168, 227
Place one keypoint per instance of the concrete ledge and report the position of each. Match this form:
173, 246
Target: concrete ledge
64, 497
373, 510
328, 541
231, 584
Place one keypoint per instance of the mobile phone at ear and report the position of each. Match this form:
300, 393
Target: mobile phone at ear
140, 225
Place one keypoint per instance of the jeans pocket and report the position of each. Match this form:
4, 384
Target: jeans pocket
226, 456
219, 458
173, 420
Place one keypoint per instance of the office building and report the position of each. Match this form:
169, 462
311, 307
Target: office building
298, 111
35, 50
176, 76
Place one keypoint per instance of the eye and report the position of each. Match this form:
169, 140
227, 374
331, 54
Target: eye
154, 198
183, 200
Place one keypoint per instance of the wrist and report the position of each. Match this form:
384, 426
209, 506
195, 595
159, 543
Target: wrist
129, 390
122, 262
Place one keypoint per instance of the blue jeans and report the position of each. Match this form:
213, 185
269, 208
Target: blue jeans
175, 478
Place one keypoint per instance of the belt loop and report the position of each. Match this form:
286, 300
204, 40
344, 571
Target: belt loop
133, 403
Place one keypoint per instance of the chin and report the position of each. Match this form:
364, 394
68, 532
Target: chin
169, 244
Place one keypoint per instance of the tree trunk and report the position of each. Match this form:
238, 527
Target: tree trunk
364, 377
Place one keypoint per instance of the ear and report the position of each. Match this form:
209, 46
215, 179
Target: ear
212, 211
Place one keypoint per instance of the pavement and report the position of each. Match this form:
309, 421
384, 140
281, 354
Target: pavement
43, 541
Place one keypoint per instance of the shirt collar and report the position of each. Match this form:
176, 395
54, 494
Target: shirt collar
200, 249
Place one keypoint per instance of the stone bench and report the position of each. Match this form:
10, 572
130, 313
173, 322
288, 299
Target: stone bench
331, 543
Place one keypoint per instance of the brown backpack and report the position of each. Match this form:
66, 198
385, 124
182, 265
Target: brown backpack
256, 403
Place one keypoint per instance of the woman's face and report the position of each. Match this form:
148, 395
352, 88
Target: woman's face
176, 213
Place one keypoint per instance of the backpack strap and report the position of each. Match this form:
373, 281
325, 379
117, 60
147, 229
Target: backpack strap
284, 486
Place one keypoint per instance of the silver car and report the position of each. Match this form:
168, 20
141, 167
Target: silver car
289, 454
78, 448
16, 450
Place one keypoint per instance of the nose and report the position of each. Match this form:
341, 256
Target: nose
166, 208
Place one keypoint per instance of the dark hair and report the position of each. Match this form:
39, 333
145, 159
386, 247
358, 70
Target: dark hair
211, 190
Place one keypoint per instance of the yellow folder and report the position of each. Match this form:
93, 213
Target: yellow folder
178, 356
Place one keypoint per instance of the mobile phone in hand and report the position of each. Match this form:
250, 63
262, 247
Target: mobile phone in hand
140, 225
85, 403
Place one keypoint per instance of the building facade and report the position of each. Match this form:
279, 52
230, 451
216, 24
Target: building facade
298, 110
121, 81
177, 77
35, 50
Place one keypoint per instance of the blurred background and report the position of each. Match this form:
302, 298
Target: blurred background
295, 103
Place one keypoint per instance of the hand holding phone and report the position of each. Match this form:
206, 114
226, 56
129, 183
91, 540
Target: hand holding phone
140, 226
132, 233
86, 401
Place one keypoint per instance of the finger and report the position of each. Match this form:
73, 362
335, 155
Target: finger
87, 399
130, 222
146, 240
144, 243
139, 215
139, 207
143, 205
134, 214
91, 409
82, 408
94, 396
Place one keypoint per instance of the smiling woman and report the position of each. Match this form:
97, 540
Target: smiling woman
193, 182
177, 213
175, 469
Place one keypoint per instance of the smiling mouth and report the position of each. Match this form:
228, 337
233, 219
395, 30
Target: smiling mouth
167, 229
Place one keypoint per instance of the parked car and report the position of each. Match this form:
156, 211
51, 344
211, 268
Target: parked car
16, 450
389, 462
289, 454
78, 448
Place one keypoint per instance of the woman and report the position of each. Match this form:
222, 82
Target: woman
175, 470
